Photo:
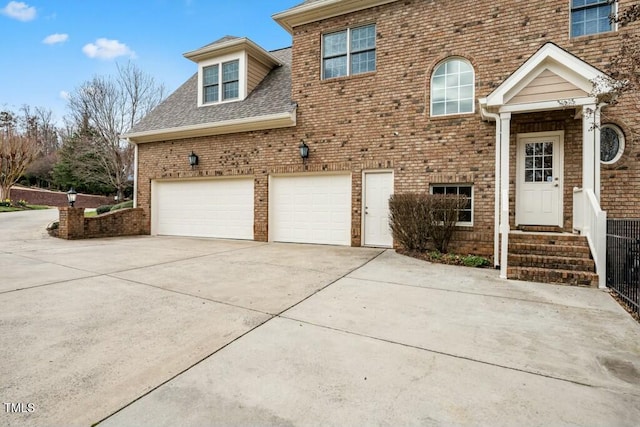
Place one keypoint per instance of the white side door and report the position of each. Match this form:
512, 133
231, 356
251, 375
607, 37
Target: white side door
378, 188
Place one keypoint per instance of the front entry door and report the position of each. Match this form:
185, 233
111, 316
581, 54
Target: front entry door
540, 179
378, 187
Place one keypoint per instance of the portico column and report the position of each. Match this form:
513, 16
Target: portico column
505, 137
596, 151
588, 147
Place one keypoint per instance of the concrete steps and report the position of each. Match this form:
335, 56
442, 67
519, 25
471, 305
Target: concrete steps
551, 258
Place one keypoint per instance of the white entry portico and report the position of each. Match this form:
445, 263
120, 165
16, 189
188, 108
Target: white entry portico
551, 79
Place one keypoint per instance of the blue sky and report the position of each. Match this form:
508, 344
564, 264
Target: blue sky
49, 48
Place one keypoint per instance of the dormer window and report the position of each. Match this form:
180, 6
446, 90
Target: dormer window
229, 69
228, 80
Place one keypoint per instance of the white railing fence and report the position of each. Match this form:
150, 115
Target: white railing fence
591, 221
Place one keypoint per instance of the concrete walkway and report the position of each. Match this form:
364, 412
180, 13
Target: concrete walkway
174, 331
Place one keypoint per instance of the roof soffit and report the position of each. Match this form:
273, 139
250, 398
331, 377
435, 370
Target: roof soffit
322, 9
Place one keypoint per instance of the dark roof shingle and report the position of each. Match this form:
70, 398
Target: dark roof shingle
271, 96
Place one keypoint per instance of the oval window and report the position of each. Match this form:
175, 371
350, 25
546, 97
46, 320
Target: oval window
611, 143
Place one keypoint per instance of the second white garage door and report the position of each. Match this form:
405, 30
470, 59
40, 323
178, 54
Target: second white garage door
203, 208
310, 209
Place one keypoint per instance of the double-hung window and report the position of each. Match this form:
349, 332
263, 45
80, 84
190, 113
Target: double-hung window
213, 80
349, 52
465, 215
590, 17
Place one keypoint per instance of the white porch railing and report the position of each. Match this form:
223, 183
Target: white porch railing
591, 221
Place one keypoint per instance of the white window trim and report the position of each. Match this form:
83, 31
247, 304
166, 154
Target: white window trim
614, 25
241, 57
621, 148
473, 93
473, 197
348, 30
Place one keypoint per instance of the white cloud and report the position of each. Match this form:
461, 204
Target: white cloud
64, 95
107, 49
56, 38
20, 11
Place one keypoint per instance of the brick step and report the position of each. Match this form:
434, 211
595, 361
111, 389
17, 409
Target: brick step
575, 251
563, 277
554, 262
549, 239
539, 228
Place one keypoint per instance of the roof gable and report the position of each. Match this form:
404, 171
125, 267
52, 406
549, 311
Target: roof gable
316, 10
231, 44
551, 74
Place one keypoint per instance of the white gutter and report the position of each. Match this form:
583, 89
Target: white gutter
272, 121
496, 211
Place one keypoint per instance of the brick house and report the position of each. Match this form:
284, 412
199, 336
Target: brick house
472, 97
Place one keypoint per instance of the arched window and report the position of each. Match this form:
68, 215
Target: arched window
452, 88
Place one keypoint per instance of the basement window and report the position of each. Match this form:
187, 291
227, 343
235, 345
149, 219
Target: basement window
465, 215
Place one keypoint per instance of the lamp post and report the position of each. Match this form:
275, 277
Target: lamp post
71, 196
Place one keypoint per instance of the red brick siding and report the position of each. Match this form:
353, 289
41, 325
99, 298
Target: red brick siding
382, 119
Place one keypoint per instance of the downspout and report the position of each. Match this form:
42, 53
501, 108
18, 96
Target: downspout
496, 211
135, 174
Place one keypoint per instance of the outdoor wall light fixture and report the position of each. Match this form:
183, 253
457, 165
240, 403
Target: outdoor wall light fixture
71, 196
193, 160
304, 150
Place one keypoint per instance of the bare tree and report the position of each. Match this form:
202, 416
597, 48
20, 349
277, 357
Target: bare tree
101, 110
16, 153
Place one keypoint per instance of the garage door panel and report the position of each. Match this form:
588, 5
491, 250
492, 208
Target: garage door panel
311, 209
208, 208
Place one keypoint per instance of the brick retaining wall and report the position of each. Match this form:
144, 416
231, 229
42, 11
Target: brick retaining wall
38, 196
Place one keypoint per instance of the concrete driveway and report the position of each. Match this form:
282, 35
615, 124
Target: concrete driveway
174, 331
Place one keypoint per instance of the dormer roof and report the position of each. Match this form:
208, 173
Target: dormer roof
231, 44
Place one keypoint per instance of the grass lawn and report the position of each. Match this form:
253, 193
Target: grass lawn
90, 214
27, 208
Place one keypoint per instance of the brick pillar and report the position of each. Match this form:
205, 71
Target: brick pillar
71, 223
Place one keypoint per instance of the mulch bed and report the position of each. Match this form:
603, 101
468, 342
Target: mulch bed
439, 258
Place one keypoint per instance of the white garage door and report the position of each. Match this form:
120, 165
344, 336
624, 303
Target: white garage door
311, 209
203, 208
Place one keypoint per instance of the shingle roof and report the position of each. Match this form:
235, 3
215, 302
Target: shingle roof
271, 96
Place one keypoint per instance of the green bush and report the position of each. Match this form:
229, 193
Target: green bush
103, 209
475, 261
123, 205
416, 219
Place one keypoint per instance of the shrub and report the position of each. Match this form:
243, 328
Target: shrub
408, 220
475, 261
103, 209
417, 218
443, 216
123, 205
